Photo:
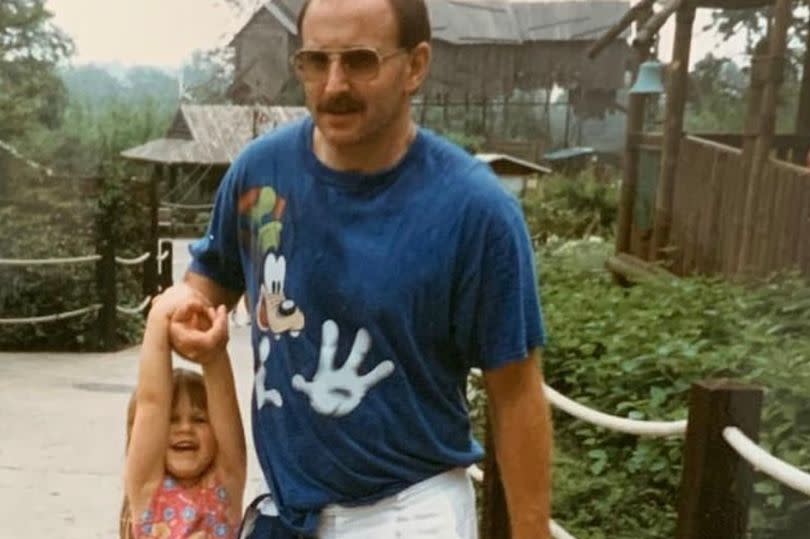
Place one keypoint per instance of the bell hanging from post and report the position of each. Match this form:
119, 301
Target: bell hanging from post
650, 79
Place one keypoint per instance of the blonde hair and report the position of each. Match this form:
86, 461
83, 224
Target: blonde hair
184, 382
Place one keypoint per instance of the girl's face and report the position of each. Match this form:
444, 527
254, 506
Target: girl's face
192, 445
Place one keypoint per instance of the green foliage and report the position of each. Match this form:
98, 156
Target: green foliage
30, 48
573, 207
209, 74
633, 353
55, 218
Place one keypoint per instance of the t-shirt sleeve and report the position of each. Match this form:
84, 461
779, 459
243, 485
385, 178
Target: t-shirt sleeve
498, 317
216, 255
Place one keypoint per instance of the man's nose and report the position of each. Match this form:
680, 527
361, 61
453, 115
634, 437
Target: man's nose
336, 80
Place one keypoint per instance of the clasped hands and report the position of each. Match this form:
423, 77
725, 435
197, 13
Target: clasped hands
197, 330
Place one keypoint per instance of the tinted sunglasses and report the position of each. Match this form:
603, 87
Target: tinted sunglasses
357, 63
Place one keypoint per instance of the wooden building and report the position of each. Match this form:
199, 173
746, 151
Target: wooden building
483, 50
199, 145
716, 203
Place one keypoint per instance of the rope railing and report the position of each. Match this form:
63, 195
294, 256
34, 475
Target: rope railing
612, 422
652, 429
175, 205
133, 261
51, 317
761, 460
134, 310
600, 419
48, 261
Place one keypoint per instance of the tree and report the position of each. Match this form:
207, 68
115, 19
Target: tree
207, 77
31, 92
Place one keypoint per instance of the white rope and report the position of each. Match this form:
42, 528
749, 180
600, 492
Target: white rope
163, 256
763, 461
557, 531
50, 318
31, 163
48, 261
134, 310
187, 206
612, 422
133, 261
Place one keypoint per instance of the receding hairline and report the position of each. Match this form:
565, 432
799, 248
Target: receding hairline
400, 22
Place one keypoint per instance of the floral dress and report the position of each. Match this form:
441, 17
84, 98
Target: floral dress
196, 512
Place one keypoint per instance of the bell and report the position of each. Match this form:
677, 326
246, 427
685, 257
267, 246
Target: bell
649, 79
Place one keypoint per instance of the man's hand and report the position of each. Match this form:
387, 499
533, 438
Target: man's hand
199, 332
168, 301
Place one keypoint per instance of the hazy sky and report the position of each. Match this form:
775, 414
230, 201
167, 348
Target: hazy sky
153, 32
165, 32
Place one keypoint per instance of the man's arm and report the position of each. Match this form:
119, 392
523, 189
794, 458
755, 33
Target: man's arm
199, 292
215, 293
521, 423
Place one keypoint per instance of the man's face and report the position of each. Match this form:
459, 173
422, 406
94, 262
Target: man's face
351, 109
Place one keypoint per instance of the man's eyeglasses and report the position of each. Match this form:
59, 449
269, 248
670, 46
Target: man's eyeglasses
357, 63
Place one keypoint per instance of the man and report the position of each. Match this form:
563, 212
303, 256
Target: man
381, 264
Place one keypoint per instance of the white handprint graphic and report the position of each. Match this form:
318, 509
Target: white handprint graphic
336, 392
263, 396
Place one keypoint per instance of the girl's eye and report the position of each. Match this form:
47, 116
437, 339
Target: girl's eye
199, 419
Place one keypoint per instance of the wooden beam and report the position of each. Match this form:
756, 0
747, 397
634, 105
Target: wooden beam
645, 36
673, 128
635, 127
767, 124
615, 31
803, 116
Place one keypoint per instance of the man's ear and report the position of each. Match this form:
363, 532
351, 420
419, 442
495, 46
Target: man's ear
418, 67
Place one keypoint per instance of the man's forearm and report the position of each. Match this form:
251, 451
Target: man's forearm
522, 433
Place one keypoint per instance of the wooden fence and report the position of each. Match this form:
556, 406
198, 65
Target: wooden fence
713, 206
720, 458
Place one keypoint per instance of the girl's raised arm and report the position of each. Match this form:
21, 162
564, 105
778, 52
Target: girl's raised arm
223, 405
146, 451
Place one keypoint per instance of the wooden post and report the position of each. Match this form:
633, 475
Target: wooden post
803, 115
716, 482
150, 266
105, 275
166, 266
673, 127
495, 518
767, 124
635, 125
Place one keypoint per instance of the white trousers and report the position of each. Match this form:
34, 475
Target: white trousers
442, 507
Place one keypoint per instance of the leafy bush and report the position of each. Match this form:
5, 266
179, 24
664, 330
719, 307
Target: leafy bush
634, 352
572, 207
55, 218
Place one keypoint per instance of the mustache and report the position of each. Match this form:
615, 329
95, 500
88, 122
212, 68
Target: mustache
342, 103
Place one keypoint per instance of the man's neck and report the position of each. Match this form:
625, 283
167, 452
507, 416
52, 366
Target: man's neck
368, 157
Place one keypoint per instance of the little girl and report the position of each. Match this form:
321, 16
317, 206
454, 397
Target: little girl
186, 461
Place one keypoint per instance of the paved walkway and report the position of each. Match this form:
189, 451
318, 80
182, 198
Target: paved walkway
62, 429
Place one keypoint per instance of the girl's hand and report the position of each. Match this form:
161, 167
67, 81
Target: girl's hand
199, 332
167, 302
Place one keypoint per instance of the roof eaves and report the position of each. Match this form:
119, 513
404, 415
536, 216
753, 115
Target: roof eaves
281, 14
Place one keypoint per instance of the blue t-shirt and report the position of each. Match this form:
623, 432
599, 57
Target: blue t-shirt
372, 297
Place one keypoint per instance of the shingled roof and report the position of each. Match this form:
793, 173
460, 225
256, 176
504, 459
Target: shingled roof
212, 134
500, 21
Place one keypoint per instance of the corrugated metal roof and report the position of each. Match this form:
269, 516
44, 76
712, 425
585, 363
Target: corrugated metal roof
493, 158
473, 21
217, 133
500, 21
